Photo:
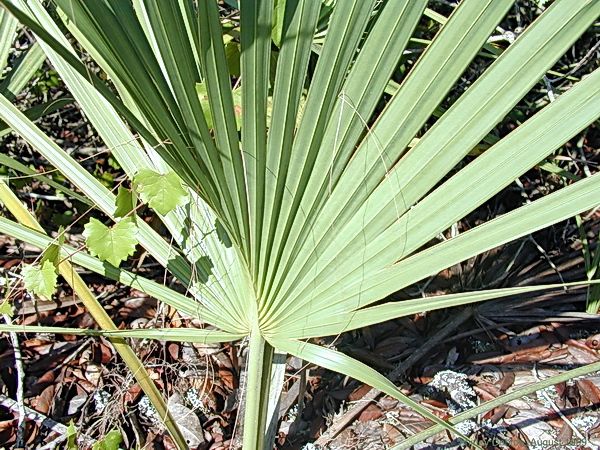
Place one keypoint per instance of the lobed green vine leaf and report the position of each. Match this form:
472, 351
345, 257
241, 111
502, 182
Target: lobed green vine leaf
40, 279
109, 442
71, 436
125, 202
52, 252
162, 192
204, 102
278, 15
6, 308
113, 244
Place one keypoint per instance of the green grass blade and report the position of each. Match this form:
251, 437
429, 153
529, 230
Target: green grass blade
183, 304
28, 172
501, 400
8, 34
37, 111
22, 71
338, 362
196, 335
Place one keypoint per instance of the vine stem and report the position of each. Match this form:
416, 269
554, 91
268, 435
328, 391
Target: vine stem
23, 216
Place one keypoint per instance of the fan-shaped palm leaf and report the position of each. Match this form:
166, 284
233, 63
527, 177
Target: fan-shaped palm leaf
322, 206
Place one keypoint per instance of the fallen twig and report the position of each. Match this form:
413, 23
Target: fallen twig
43, 421
20, 442
556, 408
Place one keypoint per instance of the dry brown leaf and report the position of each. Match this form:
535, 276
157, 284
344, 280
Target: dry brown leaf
371, 412
43, 402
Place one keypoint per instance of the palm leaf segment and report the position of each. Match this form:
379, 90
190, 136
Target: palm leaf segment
318, 209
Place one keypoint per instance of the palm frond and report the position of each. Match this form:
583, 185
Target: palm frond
322, 201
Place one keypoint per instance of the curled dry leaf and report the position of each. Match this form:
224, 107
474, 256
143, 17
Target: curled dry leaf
593, 342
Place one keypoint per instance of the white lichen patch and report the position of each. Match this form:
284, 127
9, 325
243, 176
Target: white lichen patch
459, 394
310, 446
194, 400
292, 413
456, 386
101, 399
468, 427
148, 412
480, 346
584, 423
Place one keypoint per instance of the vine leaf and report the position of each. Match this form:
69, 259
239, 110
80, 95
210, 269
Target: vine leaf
113, 244
125, 202
52, 252
163, 192
109, 442
40, 279
6, 308
71, 436
204, 102
278, 15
